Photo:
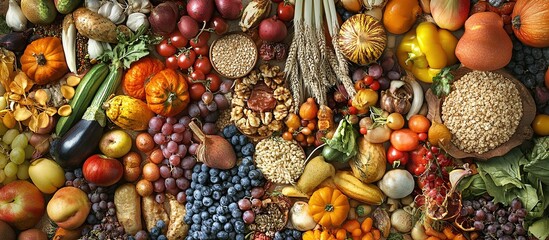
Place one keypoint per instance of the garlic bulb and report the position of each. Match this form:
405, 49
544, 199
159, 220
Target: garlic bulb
141, 6
135, 20
96, 48
114, 11
93, 5
15, 18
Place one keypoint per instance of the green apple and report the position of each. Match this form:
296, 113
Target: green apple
47, 175
115, 143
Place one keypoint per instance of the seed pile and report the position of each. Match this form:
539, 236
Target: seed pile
280, 161
482, 112
233, 55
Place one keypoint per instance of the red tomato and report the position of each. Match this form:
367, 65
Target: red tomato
171, 62
201, 40
397, 158
285, 11
197, 75
375, 86
165, 48
404, 139
417, 161
368, 80
196, 90
201, 50
186, 59
203, 64
177, 40
419, 123
214, 81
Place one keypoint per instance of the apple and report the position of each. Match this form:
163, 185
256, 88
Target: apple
115, 143
69, 207
102, 170
47, 175
6, 231
21, 204
32, 234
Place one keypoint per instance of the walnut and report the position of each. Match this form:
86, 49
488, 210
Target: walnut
282, 93
275, 125
236, 113
266, 117
239, 102
269, 72
254, 121
263, 130
280, 112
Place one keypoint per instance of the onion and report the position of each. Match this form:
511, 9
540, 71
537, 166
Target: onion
200, 10
272, 30
300, 217
375, 71
229, 9
188, 27
402, 221
397, 183
163, 18
358, 74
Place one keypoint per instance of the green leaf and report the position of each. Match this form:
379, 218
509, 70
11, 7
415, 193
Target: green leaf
344, 139
442, 82
505, 170
539, 228
472, 186
538, 164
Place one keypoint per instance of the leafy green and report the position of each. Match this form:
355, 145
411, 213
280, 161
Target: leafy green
129, 48
538, 164
505, 170
539, 228
472, 186
442, 82
344, 139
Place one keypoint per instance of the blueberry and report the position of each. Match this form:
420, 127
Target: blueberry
204, 216
540, 78
227, 185
256, 183
537, 53
518, 69
347, 15
245, 182
162, 237
529, 59
222, 219
278, 236
160, 224
217, 187
195, 234
234, 140
242, 140
239, 187
546, 53
240, 237
197, 194
206, 192
188, 218
243, 169
228, 227
216, 195
237, 148
214, 172
229, 131
234, 171
529, 81
214, 179
533, 68
207, 201
188, 192
236, 213
197, 204
222, 235
203, 177
519, 56
155, 231
224, 176
194, 177
231, 191
196, 168
239, 155
204, 168
248, 149
224, 201
220, 210
233, 206
232, 235
78, 173
211, 210
240, 227
511, 65
235, 179
296, 234
247, 161
517, 45
216, 227
254, 174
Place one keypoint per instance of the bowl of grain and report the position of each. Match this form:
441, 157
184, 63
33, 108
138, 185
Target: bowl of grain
280, 161
488, 113
233, 55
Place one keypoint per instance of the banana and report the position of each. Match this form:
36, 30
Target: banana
68, 40
256, 11
291, 191
354, 188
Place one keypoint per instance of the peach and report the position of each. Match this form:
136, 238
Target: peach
69, 207
32, 234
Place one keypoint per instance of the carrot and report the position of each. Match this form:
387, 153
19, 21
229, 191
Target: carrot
368, 236
366, 225
449, 232
376, 233
341, 234
430, 231
433, 238
356, 233
459, 237
351, 225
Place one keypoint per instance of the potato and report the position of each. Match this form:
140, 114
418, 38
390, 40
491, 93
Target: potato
128, 208
132, 166
177, 229
153, 211
93, 25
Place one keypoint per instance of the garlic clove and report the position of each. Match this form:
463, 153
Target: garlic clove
15, 18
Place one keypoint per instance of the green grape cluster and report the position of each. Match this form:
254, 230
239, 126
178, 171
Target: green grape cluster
15, 153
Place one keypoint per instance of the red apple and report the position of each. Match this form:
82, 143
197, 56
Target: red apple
21, 204
6, 231
69, 207
32, 234
450, 14
102, 170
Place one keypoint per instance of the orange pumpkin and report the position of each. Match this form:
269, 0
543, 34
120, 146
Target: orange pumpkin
166, 93
530, 22
318, 235
44, 61
329, 207
139, 74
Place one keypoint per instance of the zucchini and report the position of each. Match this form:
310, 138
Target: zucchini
82, 139
82, 97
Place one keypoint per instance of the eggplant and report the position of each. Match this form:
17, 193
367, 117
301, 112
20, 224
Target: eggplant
77, 144
15, 41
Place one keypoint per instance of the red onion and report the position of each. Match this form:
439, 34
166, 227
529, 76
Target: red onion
229, 9
164, 17
375, 71
200, 10
188, 27
272, 30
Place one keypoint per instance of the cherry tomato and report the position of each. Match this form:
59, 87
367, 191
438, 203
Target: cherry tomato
197, 75
203, 64
165, 49
420, 169
368, 80
353, 110
288, 136
177, 40
201, 50
363, 130
196, 90
397, 158
360, 85
375, 86
171, 62
214, 81
419, 124
395, 121
422, 136
219, 25
285, 11
417, 158
541, 124
186, 59
201, 40
404, 139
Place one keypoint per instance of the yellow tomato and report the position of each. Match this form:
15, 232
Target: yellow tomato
541, 125
395, 121
353, 6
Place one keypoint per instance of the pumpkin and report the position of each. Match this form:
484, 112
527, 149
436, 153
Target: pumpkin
44, 61
362, 39
166, 93
370, 162
530, 22
138, 75
329, 207
318, 235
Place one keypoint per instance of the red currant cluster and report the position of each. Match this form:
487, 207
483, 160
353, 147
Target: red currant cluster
433, 176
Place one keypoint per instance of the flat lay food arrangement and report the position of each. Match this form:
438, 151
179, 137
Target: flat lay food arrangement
274, 119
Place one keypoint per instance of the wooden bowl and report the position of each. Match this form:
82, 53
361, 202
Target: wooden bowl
523, 132
251, 67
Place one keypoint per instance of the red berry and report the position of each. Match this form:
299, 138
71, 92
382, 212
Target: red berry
375, 86
368, 79
363, 130
422, 136
353, 110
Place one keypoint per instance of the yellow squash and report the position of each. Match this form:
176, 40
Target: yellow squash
355, 189
128, 112
370, 162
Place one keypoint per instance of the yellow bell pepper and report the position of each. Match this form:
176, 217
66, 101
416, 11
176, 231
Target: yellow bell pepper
426, 50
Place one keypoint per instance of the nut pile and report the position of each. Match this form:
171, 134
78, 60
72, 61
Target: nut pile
233, 55
260, 111
482, 111
279, 160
